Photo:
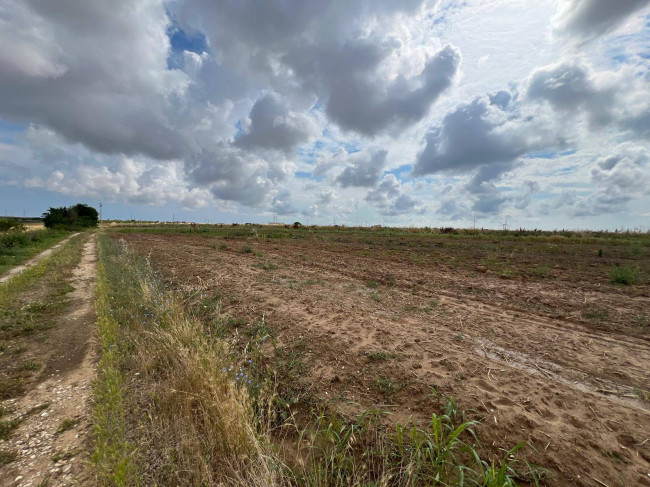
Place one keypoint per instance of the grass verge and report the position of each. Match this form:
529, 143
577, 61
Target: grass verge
170, 389
18, 246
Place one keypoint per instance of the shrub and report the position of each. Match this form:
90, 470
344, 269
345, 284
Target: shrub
625, 275
77, 216
7, 224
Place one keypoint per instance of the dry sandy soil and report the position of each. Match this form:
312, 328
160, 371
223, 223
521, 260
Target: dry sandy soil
561, 362
52, 441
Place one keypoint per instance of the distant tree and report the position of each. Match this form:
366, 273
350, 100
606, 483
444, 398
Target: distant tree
77, 216
297, 224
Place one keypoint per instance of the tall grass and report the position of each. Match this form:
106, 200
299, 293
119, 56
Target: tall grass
168, 388
178, 404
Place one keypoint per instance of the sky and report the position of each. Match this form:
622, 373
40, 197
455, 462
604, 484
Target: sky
357, 112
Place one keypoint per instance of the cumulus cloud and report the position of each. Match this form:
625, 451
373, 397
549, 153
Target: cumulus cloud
358, 100
572, 89
132, 181
96, 73
390, 198
273, 126
587, 19
488, 130
616, 179
365, 170
331, 50
281, 204
231, 174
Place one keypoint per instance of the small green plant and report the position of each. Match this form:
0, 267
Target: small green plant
66, 425
30, 365
387, 386
375, 296
7, 427
625, 275
380, 355
641, 394
246, 250
267, 266
372, 284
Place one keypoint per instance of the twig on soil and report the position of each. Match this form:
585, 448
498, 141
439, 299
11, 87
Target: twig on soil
594, 413
596, 480
547, 374
489, 377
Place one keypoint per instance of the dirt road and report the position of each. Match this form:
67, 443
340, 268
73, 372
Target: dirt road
52, 441
572, 389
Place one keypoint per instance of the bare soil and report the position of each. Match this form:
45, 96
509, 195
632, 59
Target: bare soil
52, 441
561, 361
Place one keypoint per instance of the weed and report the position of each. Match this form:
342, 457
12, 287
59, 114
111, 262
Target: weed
267, 266
625, 275
30, 365
380, 355
372, 284
246, 250
7, 427
6, 457
11, 387
641, 394
375, 296
595, 314
387, 386
66, 425
45, 482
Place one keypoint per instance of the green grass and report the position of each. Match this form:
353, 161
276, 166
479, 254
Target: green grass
7, 427
66, 425
17, 247
30, 365
625, 274
380, 355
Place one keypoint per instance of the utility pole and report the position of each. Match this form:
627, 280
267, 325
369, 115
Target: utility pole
474, 223
100, 213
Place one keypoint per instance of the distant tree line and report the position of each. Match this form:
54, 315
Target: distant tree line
77, 216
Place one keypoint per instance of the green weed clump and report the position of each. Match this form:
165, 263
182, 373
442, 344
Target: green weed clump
625, 275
